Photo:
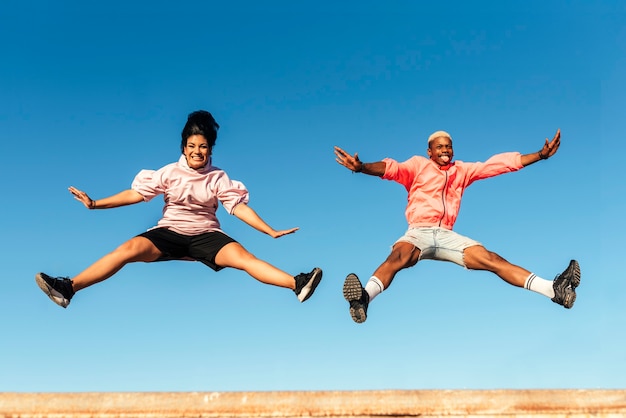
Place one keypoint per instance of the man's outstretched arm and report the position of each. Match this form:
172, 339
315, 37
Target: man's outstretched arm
548, 150
352, 162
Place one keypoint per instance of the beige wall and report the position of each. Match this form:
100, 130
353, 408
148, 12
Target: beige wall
397, 404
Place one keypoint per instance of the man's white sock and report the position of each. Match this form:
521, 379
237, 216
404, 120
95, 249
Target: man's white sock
374, 287
539, 285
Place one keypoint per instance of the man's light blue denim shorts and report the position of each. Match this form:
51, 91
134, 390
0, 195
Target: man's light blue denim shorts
438, 243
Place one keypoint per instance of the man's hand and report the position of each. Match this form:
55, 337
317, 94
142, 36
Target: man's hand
548, 150
350, 162
550, 147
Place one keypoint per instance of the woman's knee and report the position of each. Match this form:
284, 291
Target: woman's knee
137, 249
234, 255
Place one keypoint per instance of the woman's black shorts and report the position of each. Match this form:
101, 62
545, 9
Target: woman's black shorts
174, 246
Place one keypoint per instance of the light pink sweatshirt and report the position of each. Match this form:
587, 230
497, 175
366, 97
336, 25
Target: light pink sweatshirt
191, 196
435, 192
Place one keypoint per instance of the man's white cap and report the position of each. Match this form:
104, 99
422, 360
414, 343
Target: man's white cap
439, 134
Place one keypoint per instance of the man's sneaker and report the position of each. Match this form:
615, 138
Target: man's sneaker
58, 289
306, 283
357, 297
565, 285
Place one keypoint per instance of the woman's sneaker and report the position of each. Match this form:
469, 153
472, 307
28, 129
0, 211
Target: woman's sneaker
58, 289
306, 283
565, 285
357, 297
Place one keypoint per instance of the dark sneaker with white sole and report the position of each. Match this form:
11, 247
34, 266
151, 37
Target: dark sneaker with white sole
357, 297
58, 289
306, 283
565, 285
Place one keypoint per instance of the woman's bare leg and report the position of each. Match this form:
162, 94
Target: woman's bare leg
133, 250
235, 256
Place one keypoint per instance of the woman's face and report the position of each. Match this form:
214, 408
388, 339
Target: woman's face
197, 151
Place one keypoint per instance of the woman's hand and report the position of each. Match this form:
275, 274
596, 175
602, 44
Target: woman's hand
278, 234
82, 197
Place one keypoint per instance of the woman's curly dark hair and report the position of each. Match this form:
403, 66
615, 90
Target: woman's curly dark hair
202, 123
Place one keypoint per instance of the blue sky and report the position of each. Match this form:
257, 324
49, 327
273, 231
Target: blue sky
94, 92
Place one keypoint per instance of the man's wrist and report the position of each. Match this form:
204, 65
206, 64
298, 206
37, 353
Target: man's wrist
541, 156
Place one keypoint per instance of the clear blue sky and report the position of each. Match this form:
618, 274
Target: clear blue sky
94, 92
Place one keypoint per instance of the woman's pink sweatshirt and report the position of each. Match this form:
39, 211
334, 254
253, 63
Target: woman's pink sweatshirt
435, 192
191, 196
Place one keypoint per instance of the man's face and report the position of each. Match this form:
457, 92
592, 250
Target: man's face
197, 151
440, 150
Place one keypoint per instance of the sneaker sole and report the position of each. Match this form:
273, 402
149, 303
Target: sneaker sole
570, 298
54, 296
309, 288
352, 290
573, 277
358, 314
573, 270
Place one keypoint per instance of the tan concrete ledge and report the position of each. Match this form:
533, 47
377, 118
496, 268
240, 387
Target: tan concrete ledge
337, 404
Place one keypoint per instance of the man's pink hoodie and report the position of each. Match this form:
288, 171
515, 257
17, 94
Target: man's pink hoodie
435, 192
